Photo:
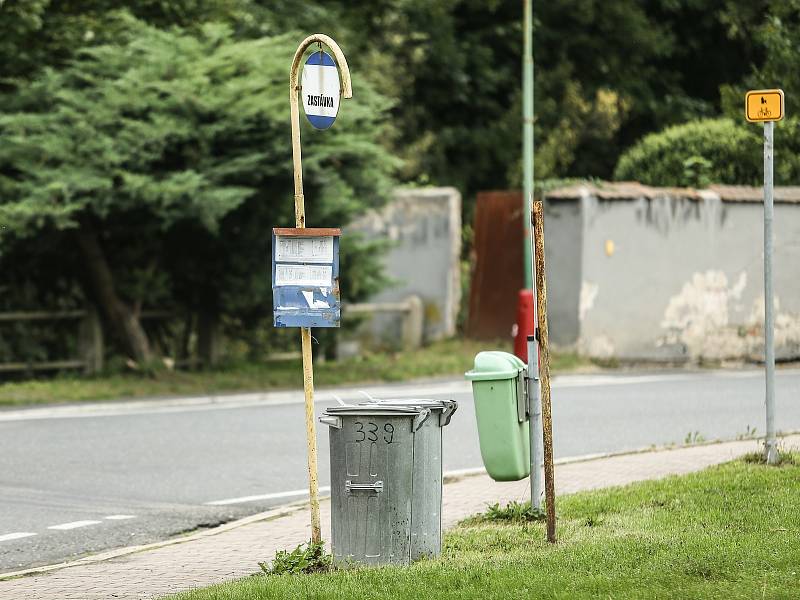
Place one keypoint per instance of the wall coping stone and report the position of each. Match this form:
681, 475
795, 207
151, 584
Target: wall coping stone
633, 190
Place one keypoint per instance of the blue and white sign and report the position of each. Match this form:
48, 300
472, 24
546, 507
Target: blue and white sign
305, 277
321, 91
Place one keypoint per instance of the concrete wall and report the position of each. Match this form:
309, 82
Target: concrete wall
677, 275
563, 255
424, 227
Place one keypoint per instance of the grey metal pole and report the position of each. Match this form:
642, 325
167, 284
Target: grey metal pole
770, 443
535, 424
534, 397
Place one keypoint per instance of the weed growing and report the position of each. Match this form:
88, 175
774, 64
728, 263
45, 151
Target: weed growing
749, 434
694, 437
306, 558
785, 459
513, 512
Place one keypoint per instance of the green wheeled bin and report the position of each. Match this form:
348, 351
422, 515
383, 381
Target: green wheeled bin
498, 386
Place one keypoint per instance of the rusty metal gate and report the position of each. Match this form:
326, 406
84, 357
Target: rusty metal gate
497, 274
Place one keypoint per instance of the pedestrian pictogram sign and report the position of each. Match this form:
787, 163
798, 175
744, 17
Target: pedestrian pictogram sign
763, 105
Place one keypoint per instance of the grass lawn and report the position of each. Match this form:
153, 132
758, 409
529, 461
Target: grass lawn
731, 531
450, 357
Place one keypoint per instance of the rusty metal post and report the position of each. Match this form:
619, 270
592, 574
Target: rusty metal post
300, 220
544, 370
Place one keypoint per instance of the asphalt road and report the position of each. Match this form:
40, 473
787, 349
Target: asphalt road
114, 475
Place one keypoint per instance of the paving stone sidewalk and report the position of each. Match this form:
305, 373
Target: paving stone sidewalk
232, 551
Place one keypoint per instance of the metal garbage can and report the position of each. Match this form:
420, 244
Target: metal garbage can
498, 386
386, 479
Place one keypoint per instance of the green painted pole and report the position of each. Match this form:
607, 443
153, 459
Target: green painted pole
527, 138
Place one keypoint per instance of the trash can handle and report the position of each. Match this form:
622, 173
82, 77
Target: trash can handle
351, 487
420, 419
333, 421
450, 407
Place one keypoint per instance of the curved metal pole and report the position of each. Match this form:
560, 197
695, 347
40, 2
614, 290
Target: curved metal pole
300, 220
294, 88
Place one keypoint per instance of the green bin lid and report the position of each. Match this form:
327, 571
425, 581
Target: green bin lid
493, 365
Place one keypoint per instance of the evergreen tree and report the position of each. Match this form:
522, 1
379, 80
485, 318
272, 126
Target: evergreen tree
156, 167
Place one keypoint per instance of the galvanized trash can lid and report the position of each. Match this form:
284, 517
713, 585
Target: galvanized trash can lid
418, 408
448, 407
333, 415
374, 408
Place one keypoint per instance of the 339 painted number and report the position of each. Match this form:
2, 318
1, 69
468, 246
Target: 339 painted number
371, 432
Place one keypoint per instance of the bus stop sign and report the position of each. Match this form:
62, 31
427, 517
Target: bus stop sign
321, 91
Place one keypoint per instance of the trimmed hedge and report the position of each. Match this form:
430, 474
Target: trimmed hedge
695, 154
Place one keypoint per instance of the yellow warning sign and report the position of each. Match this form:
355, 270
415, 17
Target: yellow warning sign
763, 105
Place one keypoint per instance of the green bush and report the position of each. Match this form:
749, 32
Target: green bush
695, 154
706, 151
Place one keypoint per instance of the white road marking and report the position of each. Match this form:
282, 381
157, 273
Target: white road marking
15, 536
73, 525
276, 495
604, 380
119, 517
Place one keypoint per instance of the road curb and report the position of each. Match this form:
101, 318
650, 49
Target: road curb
290, 508
456, 475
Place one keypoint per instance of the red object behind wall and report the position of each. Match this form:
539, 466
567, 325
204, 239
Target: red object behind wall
523, 327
